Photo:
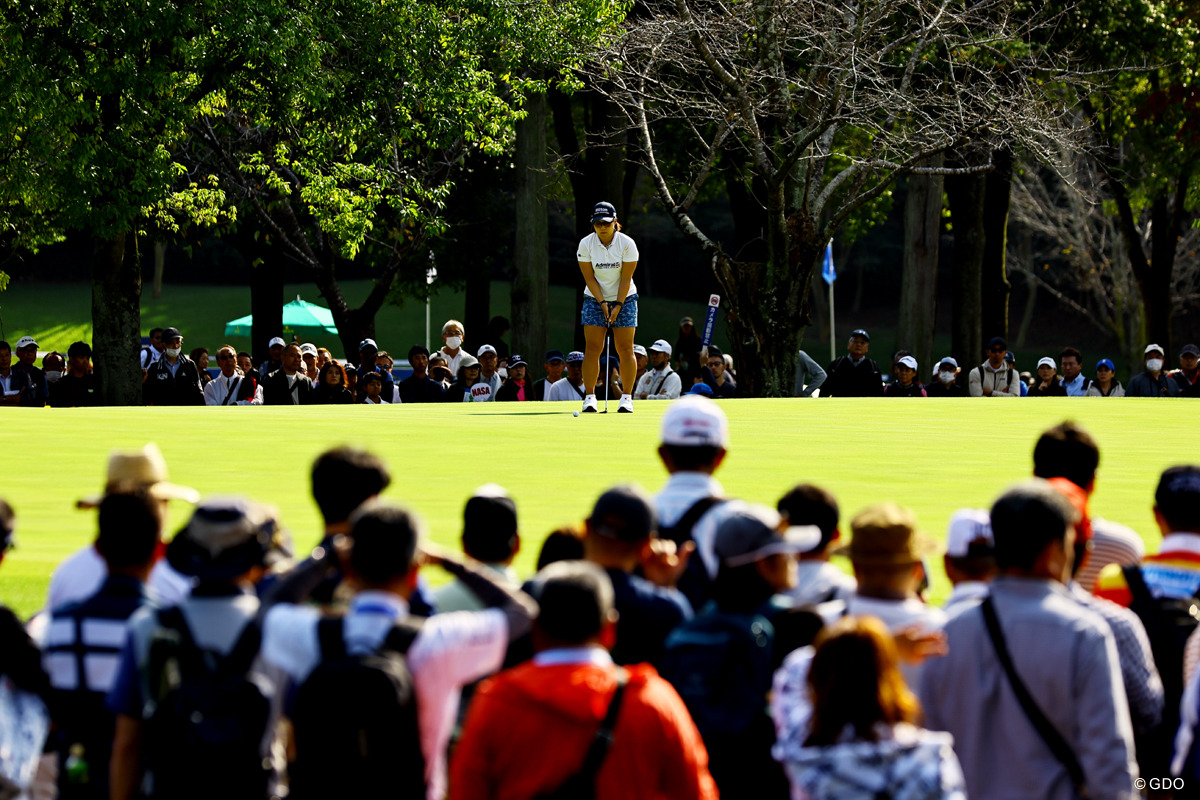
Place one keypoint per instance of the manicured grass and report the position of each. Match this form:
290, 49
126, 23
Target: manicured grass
58, 314
933, 456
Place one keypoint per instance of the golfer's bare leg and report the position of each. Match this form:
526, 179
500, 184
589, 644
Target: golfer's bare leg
623, 342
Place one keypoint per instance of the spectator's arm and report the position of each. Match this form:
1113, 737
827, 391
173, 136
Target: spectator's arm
817, 375
974, 383
518, 607
125, 769
671, 388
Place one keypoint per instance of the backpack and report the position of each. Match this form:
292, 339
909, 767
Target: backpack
720, 663
355, 720
207, 711
694, 583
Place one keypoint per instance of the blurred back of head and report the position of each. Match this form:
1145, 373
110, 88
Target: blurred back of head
1025, 520
490, 525
855, 681
1178, 498
1067, 451
576, 601
130, 528
563, 544
343, 479
807, 504
384, 542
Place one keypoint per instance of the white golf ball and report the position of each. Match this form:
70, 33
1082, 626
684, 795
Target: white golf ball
575, 413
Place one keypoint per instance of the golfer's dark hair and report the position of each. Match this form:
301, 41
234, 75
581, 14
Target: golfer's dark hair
1178, 498
343, 478
383, 542
807, 504
1066, 451
1069, 352
130, 528
575, 598
1026, 519
563, 544
690, 459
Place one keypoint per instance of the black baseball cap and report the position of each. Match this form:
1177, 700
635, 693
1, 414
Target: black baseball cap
490, 512
861, 334
515, 360
624, 513
171, 333
554, 355
997, 341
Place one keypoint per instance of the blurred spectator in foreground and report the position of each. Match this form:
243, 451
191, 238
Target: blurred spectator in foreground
77, 386
647, 744
490, 535
817, 580
1106, 383
864, 740
970, 559
1152, 382
1187, 377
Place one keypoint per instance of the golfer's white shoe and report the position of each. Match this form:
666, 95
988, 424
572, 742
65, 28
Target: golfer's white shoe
626, 404
589, 404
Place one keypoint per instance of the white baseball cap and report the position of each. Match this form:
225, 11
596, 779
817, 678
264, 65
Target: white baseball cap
909, 362
25, 341
695, 421
1150, 348
278, 340
947, 360
968, 525
1047, 362
638, 350
308, 349
661, 346
487, 348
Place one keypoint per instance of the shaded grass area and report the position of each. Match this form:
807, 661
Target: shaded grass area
58, 314
933, 456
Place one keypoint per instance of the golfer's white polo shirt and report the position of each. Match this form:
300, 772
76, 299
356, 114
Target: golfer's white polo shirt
451, 651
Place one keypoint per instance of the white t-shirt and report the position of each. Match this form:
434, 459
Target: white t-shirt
606, 262
80, 575
562, 389
479, 392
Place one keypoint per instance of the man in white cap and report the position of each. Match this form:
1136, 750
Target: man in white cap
308, 353
274, 357
1153, 382
970, 558
661, 382
81, 574
570, 386
33, 394
488, 361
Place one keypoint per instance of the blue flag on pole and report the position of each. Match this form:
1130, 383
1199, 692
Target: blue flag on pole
828, 273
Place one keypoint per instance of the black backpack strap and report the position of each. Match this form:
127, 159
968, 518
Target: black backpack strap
331, 638
244, 650
1137, 585
1049, 734
602, 741
402, 635
681, 531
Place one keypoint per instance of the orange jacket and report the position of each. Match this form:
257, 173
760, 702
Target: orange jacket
528, 729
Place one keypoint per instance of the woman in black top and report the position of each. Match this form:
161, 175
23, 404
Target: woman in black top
331, 386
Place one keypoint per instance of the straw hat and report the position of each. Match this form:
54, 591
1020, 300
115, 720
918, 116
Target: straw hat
140, 469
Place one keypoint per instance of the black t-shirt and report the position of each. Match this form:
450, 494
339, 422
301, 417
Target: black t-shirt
420, 390
70, 391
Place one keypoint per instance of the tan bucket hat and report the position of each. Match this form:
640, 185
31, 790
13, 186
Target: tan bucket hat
140, 469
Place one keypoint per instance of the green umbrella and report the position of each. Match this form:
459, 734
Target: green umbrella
297, 316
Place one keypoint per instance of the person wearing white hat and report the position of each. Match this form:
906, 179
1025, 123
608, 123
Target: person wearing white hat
1048, 384
660, 382
643, 362
906, 383
570, 386
945, 380
970, 558
25, 371
607, 258
274, 356
1153, 382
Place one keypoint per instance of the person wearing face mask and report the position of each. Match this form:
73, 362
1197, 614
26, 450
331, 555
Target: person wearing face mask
76, 387
946, 381
453, 334
53, 367
173, 380
1153, 382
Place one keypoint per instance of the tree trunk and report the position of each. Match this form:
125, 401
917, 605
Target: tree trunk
160, 259
965, 196
478, 307
266, 298
117, 320
531, 281
995, 286
918, 288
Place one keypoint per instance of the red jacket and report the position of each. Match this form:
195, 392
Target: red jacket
528, 729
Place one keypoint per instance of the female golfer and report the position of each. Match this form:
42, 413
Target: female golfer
607, 259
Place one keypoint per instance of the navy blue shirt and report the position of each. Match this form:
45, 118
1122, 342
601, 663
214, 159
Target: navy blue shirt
647, 614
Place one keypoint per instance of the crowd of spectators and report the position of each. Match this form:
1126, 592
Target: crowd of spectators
680, 645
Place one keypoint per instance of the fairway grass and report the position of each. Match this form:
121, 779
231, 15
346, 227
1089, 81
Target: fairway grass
933, 456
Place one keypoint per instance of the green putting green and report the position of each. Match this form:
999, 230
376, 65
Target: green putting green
933, 456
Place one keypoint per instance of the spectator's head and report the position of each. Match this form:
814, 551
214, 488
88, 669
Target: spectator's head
418, 357
308, 352
1033, 527
604, 217
554, 365
372, 385
1072, 363
490, 526
332, 374
687, 327
468, 369
27, 349
8, 526
245, 362
487, 360
577, 606
575, 367
453, 334
660, 354
275, 349
1105, 370
54, 365
702, 389
694, 435
906, 370
384, 359
384, 539
497, 327
173, 341
855, 681
886, 549
641, 357
323, 357
1153, 356
997, 349
563, 544
716, 361
516, 368
947, 371
1189, 358
755, 550
79, 358
970, 550
140, 470
1177, 500
227, 360
230, 540
1047, 370
156, 339
859, 344
351, 379
1067, 451
131, 526
5, 357
620, 528
806, 504
367, 350
342, 480
438, 369
291, 361
200, 356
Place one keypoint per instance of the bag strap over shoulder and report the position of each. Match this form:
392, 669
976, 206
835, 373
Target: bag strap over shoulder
690, 517
604, 735
1048, 733
1137, 584
331, 638
402, 635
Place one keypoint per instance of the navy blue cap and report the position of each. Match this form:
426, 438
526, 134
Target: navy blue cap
554, 355
859, 332
171, 333
604, 212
